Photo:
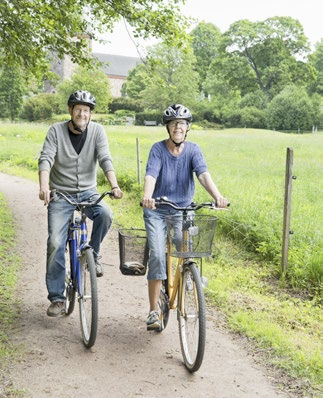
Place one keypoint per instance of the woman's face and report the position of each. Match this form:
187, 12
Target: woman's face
177, 129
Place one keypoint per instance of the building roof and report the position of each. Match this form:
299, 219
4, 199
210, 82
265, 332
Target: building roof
117, 65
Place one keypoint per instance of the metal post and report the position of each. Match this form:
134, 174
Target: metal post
138, 161
287, 208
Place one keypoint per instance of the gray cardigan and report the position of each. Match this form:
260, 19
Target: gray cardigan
69, 171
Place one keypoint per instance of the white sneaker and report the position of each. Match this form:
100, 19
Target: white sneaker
153, 321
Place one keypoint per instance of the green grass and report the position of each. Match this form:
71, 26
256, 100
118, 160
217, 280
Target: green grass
9, 265
281, 314
284, 326
248, 167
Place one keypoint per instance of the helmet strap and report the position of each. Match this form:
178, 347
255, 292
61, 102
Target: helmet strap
177, 144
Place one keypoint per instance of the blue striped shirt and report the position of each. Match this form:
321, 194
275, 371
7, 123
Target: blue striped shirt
175, 174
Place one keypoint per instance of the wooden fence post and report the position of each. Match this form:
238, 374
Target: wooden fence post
287, 207
138, 161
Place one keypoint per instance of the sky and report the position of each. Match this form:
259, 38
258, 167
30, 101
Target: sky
222, 14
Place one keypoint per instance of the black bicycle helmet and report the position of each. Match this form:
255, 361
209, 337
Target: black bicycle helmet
177, 111
81, 97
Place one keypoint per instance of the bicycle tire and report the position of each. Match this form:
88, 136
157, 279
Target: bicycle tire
70, 288
88, 300
192, 317
163, 307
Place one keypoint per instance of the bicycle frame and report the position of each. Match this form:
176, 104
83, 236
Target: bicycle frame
80, 280
77, 244
174, 279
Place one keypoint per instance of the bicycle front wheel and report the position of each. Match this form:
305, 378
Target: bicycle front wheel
88, 298
70, 289
163, 307
191, 317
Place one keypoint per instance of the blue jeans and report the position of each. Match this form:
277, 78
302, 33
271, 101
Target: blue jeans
59, 214
155, 224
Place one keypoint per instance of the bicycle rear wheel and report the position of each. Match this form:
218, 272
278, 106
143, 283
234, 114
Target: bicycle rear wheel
88, 300
191, 317
70, 289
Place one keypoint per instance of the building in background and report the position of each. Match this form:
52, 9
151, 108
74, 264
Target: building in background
116, 67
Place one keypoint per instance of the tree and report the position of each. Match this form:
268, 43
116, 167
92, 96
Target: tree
268, 55
11, 92
95, 81
257, 99
170, 78
317, 61
138, 79
205, 42
31, 30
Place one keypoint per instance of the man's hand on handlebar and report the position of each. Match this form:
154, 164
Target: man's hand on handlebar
117, 193
45, 196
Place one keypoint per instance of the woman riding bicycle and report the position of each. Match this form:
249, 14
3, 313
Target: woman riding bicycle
170, 172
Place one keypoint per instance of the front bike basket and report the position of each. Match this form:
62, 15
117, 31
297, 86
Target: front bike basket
133, 251
191, 236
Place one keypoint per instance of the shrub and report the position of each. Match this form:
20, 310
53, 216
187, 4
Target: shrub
126, 182
125, 103
252, 117
41, 106
292, 109
153, 116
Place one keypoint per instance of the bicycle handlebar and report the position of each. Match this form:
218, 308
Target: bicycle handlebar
88, 203
163, 201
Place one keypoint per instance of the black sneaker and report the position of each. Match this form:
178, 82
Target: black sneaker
56, 308
99, 268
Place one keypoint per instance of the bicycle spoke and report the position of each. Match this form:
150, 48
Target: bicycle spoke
88, 300
192, 323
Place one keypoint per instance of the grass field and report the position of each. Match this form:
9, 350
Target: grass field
248, 167
280, 314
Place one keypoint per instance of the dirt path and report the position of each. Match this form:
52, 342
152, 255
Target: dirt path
126, 361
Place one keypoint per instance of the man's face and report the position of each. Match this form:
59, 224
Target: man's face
80, 114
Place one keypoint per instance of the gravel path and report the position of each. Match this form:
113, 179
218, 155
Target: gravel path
126, 361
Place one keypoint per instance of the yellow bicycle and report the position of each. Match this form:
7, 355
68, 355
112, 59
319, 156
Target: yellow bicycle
189, 240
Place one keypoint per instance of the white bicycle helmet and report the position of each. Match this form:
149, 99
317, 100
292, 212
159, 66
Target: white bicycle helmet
177, 111
81, 97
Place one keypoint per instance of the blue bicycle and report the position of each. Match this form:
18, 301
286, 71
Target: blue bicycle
80, 279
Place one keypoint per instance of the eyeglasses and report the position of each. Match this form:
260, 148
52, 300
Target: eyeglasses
175, 123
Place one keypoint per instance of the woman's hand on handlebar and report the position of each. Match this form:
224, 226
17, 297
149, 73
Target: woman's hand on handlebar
222, 202
148, 203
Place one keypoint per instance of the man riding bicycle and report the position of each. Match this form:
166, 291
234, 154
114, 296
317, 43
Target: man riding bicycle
68, 162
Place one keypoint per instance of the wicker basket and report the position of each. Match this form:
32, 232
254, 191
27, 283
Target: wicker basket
133, 251
191, 237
